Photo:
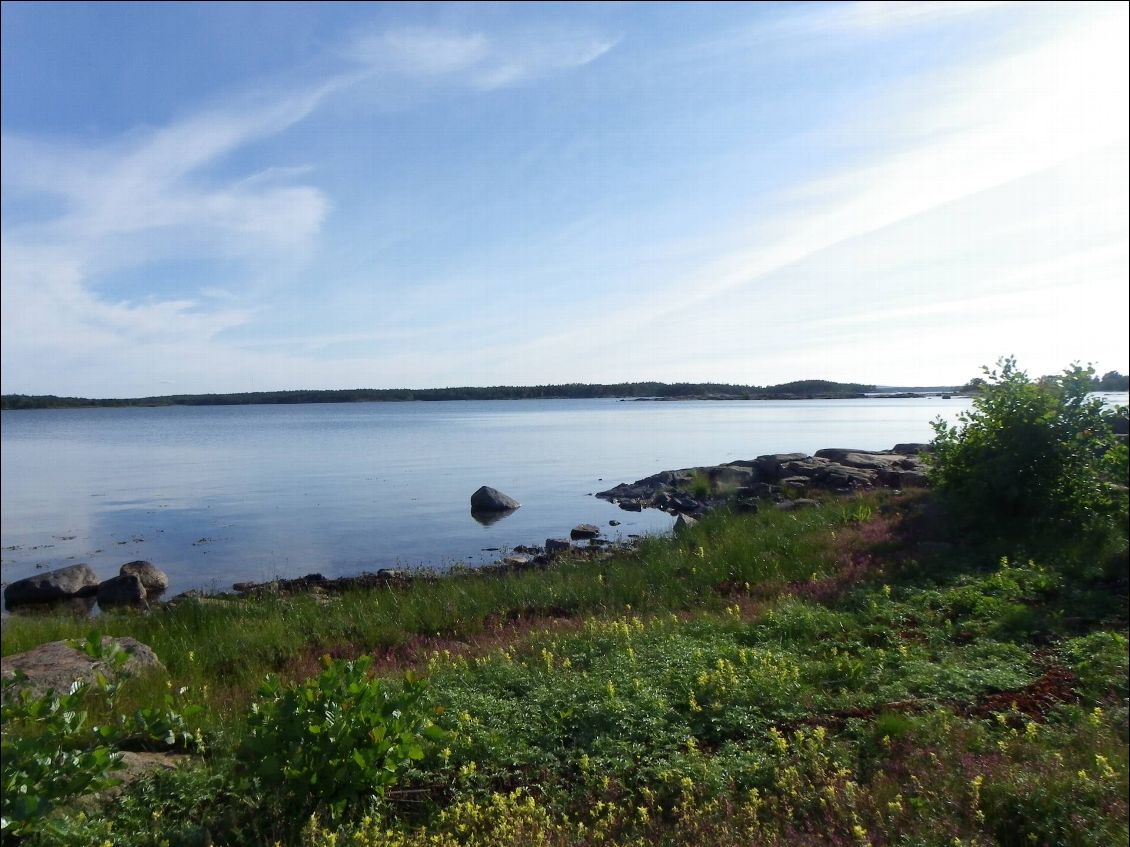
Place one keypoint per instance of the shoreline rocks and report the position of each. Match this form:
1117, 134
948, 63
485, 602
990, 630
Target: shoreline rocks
135, 583
785, 480
152, 578
58, 584
694, 491
122, 590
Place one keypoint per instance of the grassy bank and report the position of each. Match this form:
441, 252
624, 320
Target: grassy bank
852, 674
232, 643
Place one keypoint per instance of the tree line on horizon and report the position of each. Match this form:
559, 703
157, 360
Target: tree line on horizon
1110, 381
806, 388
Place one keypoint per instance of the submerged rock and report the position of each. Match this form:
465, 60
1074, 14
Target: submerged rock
585, 530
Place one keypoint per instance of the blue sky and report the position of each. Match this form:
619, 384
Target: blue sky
239, 197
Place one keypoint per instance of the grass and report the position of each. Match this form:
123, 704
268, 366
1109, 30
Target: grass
231, 644
844, 675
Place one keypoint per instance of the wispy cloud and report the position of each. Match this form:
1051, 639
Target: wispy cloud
1012, 153
875, 16
165, 193
475, 59
152, 195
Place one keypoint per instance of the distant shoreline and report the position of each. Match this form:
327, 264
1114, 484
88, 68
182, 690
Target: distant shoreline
800, 390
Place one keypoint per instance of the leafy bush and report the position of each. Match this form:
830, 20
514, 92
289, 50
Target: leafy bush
335, 741
1032, 456
49, 756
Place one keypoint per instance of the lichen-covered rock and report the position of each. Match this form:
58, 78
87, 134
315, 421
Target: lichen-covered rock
58, 664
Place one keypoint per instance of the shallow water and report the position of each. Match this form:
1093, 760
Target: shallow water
219, 494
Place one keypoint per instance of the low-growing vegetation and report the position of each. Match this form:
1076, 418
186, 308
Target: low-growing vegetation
868, 672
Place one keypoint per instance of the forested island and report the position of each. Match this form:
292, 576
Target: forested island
801, 389
804, 389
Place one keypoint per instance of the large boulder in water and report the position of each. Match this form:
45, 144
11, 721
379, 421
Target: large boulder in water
152, 577
72, 581
488, 499
124, 590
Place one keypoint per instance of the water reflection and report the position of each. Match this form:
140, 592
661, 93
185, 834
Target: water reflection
488, 518
216, 495
80, 607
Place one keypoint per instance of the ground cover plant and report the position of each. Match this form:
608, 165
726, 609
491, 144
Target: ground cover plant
898, 693
871, 671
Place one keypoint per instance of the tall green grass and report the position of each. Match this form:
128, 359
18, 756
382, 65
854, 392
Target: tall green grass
230, 644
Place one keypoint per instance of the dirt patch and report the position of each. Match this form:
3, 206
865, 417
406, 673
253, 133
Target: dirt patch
1032, 701
502, 630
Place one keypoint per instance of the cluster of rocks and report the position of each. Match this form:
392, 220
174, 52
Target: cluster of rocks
136, 583
520, 558
778, 477
315, 583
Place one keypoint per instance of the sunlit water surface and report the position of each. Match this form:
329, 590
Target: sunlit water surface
219, 494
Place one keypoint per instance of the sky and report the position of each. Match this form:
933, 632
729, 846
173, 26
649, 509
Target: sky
249, 197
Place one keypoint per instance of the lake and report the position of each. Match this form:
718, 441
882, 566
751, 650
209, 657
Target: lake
219, 494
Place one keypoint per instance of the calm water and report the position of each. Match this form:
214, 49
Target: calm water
216, 495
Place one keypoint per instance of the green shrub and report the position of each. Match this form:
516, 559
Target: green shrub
335, 741
1032, 457
49, 756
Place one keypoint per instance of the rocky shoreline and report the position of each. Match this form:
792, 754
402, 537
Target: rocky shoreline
778, 477
777, 480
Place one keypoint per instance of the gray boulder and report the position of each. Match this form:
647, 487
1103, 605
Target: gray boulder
585, 530
123, 590
488, 499
56, 665
769, 466
153, 578
758, 489
911, 449
72, 581
839, 477
683, 523
731, 475
861, 459
553, 546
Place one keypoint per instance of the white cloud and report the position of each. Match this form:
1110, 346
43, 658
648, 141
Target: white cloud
997, 192
420, 51
473, 59
126, 203
873, 16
